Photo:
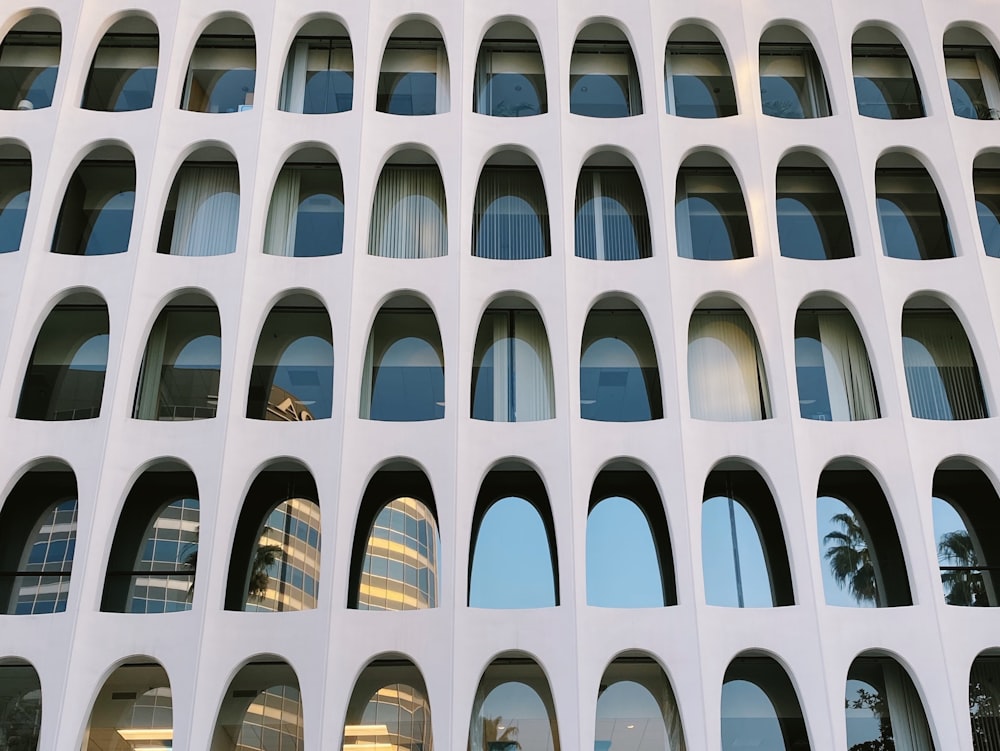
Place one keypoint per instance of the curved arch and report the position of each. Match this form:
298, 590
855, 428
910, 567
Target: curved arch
883, 704
885, 84
603, 77
409, 211
760, 706
697, 74
390, 688
31, 79
414, 75
813, 222
710, 212
510, 72
222, 68
635, 692
202, 212
262, 700
20, 703
319, 69
305, 217
15, 194
611, 221
513, 707
510, 219
123, 67
134, 701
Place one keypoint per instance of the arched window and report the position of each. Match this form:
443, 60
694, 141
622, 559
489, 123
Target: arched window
603, 78
29, 63
986, 184
510, 74
179, 379
403, 379
222, 72
883, 707
911, 218
709, 211
510, 218
697, 76
154, 555
884, 81
38, 523
834, 377
96, 214
512, 377
15, 190
742, 543
275, 563
512, 559
389, 708
611, 220
262, 710
292, 375
726, 376
965, 508
410, 212
984, 702
306, 215
513, 708
636, 707
319, 72
971, 65
791, 77
812, 220
860, 552
134, 709
20, 705
619, 377
760, 708
122, 74
202, 214
414, 76
942, 377
65, 376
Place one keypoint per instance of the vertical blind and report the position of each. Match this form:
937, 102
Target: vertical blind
726, 377
510, 218
207, 211
513, 365
409, 215
611, 219
984, 703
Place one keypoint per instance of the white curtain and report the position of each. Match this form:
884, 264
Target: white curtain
279, 236
510, 215
532, 367
207, 213
726, 377
409, 215
148, 399
849, 380
941, 373
909, 725
501, 368
611, 221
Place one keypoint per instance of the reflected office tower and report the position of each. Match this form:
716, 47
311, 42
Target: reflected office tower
400, 566
284, 571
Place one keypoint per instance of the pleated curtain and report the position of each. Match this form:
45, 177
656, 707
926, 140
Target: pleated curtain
279, 235
726, 378
849, 380
941, 373
510, 216
909, 725
984, 694
409, 215
147, 405
611, 219
207, 213
523, 386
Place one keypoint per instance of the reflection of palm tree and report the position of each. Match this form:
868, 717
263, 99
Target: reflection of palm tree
850, 558
19, 724
494, 731
963, 587
874, 702
265, 557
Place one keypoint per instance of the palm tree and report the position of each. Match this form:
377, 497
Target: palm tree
850, 558
494, 731
965, 586
265, 557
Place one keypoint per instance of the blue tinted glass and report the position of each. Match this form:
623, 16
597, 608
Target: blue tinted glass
798, 231
319, 226
511, 95
780, 98
623, 568
961, 101
112, 226
810, 373
12, 222
898, 237
733, 560
231, 89
137, 91
328, 91
413, 94
989, 226
41, 89
871, 100
693, 97
599, 95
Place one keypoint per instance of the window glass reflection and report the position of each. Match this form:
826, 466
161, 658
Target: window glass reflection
510, 80
619, 378
726, 376
885, 84
851, 576
413, 79
134, 709
711, 215
623, 566
812, 220
409, 213
261, 710
760, 708
611, 222
41, 582
636, 708
698, 81
319, 76
15, 189
911, 217
603, 80
883, 707
973, 82
510, 217
732, 555
284, 567
20, 706
222, 74
513, 709
397, 716
123, 73
986, 183
404, 369
306, 215
202, 214
29, 65
96, 214
964, 576
164, 575
791, 82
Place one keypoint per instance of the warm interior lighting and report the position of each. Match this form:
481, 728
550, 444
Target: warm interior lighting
146, 734
368, 746
365, 730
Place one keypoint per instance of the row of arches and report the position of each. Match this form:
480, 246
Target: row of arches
512, 379
409, 216
395, 564
636, 707
510, 80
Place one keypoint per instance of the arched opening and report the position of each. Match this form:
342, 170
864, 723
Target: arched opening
410, 209
134, 709
222, 72
883, 707
984, 701
760, 708
29, 63
812, 220
122, 74
292, 374
911, 217
15, 190
971, 64
414, 77
202, 214
20, 705
611, 222
510, 74
697, 75
513, 708
306, 215
319, 71
389, 708
792, 84
884, 82
636, 707
603, 78
986, 184
709, 211
261, 710
510, 218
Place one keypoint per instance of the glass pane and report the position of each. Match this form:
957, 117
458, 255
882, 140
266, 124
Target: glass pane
881, 698
272, 722
699, 83
513, 715
306, 216
409, 214
962, 574
623, 567
42, 582
611, 221
984, 703
133, 710
850, 567
912, 220
512, 377
14, 194
20, 707
884, 83
619, 378
812, 220
222, 75
123, 74
510, 216
733, 559
167, 561
599, 95
413, 92
29, 67
404, 533
406, 378
760, 708
319, 76
726, 378
711, 216
284, 570
96, 214
397, 716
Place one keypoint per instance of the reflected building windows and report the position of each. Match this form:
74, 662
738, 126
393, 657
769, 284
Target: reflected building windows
698, 80
284, 572
510, 75
611, 222
222, 73
636, 708
389, 709
133, 710
319, 73
123, 72
883, 707
29, 63
262, 710
414, 78
306, 215
812, 220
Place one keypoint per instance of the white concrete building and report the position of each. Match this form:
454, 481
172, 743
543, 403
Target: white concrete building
558, 303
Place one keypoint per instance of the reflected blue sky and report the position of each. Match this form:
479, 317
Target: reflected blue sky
622, 567
732, 567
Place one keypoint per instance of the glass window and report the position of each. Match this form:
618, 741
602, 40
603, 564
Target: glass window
851, 574
123, 72
404, 368
389, 709
40, 583
972, 82
791, 82
698, 80
179, 379
513, 709
984, 702
834, 377
404, 534
611, 220
812, 220
134, 709
96, 214
29, 64
883, 707
760, 708
510, 79
623, 564
409, 215
202, 214
164, 574
20, 706
512, 563
510, 219
603, 80
261, 711
619, 378
986, 183
942, 377
726, 376
884, 82
65, 378
636, 708
319, 75
284, 568
306, 216
732, 555
413, 78
222, 73
911, 218
292, 375
965, 577
711, 215
14, 193
512, 377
